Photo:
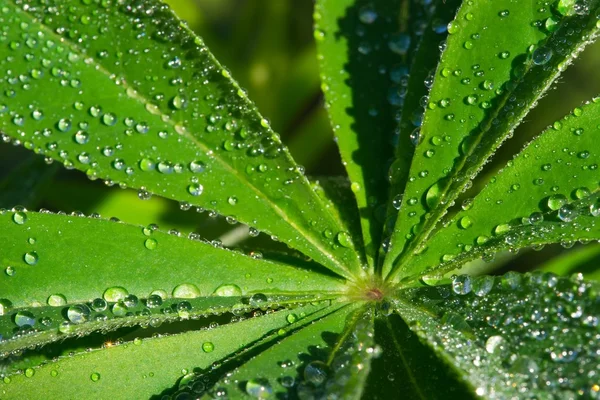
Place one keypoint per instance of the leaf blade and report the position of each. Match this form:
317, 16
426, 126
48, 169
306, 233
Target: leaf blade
529, 200
476, 132
112, 124
167, 355
55, 247
480, 332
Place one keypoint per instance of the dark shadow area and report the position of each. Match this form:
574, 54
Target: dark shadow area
413, 372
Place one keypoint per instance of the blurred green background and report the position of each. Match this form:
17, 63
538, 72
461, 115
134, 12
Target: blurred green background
268, 46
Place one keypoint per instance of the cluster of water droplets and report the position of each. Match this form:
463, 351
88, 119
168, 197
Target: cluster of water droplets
518, 334
220, 379
34, 326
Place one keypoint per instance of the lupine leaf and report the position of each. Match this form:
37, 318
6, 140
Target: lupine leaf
297, 362
32, 327
415, 83
360, 44
143, 368
408, 367
139, 100
550, 187
484, 85
337, 197
534, 333
97, 255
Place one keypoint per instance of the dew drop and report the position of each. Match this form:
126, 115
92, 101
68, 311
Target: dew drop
195, 189
316, 372
24, 318
186, 291
115, 294
56, 300
78, 313
31, 258
259, 388
228, 290
208, 347
19, 217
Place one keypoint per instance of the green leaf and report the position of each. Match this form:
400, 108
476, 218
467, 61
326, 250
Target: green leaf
359, 45
97, 254
505, 77
547, 194
298, 361
44, 325
144, 367
24, 185
126, 93
336, 195
349, 360
506, 336
415, 84
417, 373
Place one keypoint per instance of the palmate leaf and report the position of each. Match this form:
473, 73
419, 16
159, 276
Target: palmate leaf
484, 85
138, 100
512, 336
547, 194
146, 367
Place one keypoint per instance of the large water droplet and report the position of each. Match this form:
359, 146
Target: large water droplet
259, 388
186, 291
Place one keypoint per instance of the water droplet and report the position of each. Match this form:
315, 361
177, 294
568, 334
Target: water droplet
56, 300
258, 300
78, 313
95, 377
208, 347
64, 125
19, 217
186, 291
465, 222
461, 284
109, 119
541, 55
344, 239
259, 388
195, 189
228, 290
433, 194
31, 258
556, 201
568, 213
494, 344
367, 15
197, 167
316, 372
99, 305
24, 318
115, 294
150, 244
